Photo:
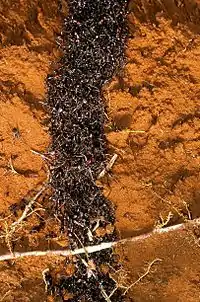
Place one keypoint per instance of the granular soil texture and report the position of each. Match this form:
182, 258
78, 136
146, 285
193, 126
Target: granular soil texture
154, 127
157, 170
27, 49
155, 118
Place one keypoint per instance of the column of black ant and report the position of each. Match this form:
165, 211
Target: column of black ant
94, 34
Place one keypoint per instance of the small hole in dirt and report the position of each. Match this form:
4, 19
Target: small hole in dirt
122, 120
170, 143
154, 119
14, 156
134, 90
16, 132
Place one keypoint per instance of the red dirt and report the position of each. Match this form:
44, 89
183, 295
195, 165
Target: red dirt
155, 104
154, 127
154, 123
27, 50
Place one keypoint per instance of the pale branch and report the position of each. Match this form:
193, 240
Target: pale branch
157, 230
143, 276
102, 246
108, 167
64, 253
28, 208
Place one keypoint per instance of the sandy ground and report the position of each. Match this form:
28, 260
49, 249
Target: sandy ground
153, 125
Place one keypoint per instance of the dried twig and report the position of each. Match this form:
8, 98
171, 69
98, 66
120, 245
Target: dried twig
164, 222
104, 294
188, 211
6, 294
28, 208
12, 168
144, 275
102, 246
8, 238
44, 276
120, 281
108, 167
40, 154
64, 253
15, 226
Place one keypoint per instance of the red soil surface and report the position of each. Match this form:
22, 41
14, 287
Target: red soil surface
154, 123
27, 50
154, 110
